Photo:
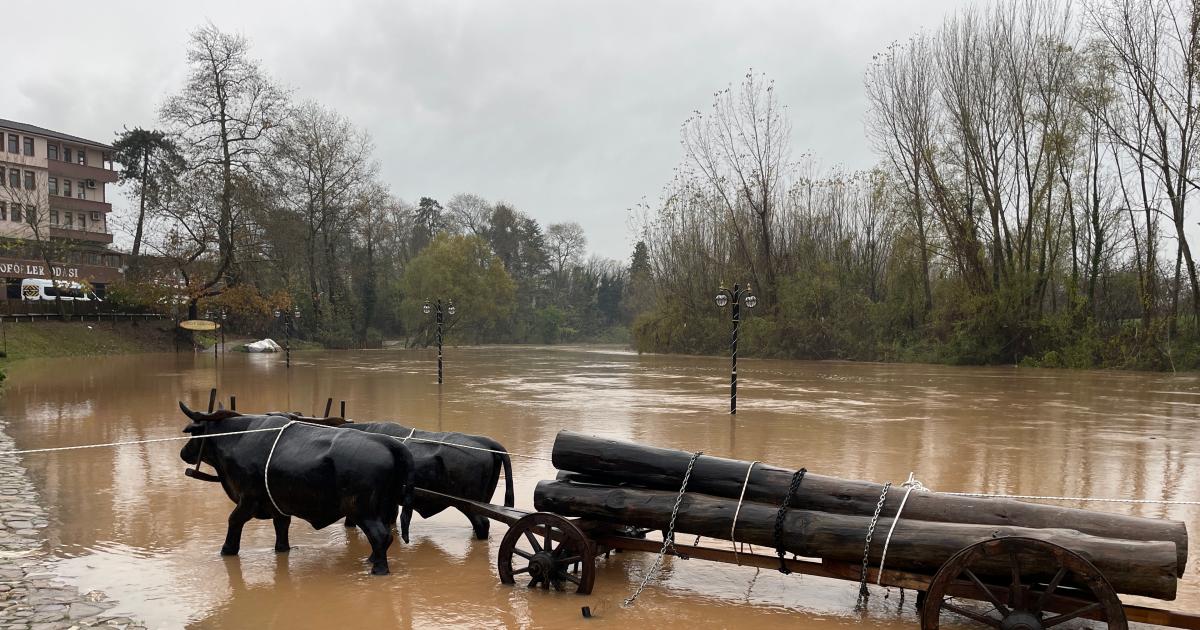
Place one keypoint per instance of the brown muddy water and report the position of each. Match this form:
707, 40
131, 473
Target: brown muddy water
126, 520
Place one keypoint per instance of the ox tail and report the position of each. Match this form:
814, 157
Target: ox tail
509, 500
405, 474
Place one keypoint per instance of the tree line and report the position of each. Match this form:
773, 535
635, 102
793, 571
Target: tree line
252, 202
1030, 203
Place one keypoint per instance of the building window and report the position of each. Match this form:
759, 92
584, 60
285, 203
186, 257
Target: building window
66, 188
15, 215
52, 151
82, 221
70, 216
82, 157
12, 143
14, 178
66, 154
54, 217
52, 182
29, 146
95, 216
3, 211
31, 214
29, 180
82, 191
93, 258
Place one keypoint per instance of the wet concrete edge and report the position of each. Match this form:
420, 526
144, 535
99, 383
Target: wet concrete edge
32, 597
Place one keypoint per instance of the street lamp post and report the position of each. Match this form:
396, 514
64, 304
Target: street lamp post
289, 321
737, 297
436, 308
224, 316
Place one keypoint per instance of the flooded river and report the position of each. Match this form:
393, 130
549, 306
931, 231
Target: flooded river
126, 520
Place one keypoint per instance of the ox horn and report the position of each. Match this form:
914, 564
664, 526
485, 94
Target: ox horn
197, 416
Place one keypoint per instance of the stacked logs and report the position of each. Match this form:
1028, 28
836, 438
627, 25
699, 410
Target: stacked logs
632, 484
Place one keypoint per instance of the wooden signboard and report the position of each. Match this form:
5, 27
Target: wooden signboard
198, 324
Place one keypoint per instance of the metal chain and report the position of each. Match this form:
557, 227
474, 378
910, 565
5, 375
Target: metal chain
781, 515
863, 593
668, 537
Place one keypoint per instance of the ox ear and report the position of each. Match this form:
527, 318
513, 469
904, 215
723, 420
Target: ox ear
194, 427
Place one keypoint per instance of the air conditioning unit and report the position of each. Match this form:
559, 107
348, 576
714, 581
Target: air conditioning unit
91, 183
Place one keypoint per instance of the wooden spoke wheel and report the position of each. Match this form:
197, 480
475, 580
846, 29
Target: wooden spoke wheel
1021, 600
551, 551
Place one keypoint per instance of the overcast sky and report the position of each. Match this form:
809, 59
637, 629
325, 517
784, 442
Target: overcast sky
567, 110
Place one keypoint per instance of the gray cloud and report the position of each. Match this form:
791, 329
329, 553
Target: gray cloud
568, 110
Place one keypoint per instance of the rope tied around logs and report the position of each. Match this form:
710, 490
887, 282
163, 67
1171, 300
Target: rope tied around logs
736, 513
781, 515
668, 536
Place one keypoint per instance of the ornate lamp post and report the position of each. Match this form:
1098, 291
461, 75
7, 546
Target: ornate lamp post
737, 297
224, 316
436, 308
289, 322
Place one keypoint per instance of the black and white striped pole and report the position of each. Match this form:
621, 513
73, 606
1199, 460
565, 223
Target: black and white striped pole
737, 297
450, 310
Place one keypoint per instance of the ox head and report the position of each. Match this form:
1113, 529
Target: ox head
201, 423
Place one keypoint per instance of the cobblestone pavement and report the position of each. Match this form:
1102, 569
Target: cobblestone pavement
31, 597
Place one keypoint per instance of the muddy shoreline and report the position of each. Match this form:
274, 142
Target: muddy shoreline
31, 596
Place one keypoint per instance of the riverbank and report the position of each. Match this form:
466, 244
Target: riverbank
27, 340
31, 598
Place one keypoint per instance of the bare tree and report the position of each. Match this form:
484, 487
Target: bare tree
321, 165
220, 119
1152, 47
469, 214
740, 151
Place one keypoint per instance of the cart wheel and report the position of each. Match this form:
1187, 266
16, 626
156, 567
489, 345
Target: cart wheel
1027, 602
547, 547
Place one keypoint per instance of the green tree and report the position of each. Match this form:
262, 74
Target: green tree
149, 161
463, 269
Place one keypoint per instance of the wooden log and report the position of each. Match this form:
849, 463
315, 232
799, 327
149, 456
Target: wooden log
1133, 567
613, 462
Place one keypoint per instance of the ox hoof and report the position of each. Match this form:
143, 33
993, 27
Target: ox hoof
378, 570
229, 551
282, 548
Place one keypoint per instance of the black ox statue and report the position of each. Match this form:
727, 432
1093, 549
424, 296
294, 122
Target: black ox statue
316, 473
455, 464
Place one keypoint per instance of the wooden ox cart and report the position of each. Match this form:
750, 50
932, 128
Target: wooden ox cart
999, 580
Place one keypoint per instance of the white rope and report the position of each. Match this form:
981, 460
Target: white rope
195, 437
733, 526
132, 442
410, 434
267, 467
911, 484
1031, 497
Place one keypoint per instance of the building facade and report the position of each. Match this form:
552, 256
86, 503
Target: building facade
54, 207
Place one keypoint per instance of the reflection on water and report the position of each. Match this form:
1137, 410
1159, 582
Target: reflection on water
126, 520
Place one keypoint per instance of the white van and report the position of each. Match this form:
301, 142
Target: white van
34, 289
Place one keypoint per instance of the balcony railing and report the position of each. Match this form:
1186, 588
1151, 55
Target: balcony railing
71, 170
82, 205
80, 234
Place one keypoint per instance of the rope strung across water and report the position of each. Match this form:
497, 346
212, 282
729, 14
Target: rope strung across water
668, 536
733, 526
211, 435
1032, 497
132, 442
797, 477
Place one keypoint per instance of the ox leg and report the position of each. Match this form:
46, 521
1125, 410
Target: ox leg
349, 523
281, 533
481, 524
233, 536
380, 537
